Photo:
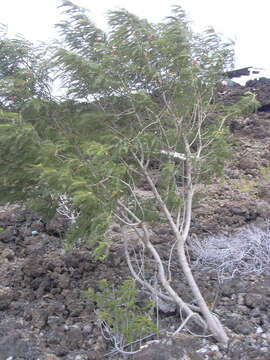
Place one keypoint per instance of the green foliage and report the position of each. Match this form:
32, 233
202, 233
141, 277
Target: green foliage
118, 309
140, 89
87, 174
247, 186
247, 105
40, 166
19, 150
23, 72
264, 171
221, 152
137, 56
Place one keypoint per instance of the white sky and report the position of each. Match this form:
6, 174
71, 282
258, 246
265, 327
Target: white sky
244, 21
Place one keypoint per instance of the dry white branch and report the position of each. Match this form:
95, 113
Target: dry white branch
65, 210
183, 324
247, 252
174, 154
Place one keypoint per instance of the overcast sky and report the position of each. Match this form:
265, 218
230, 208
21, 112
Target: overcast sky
244, 21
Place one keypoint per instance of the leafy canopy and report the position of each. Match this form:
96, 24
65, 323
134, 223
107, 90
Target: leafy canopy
24, 72
132, 93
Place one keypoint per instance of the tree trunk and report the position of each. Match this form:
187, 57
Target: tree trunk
213, 323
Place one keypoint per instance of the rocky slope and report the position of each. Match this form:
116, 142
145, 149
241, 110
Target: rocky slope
43, 311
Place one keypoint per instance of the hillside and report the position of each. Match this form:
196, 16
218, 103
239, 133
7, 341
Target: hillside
44, 314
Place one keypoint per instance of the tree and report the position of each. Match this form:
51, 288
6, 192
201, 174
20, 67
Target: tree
163, 79
24, 92
23, 72
152, 93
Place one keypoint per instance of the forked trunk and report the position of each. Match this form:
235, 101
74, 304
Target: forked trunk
212, 321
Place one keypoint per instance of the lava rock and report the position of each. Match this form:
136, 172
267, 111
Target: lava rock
167, 308
64, 281
236, 350
14, 346
8, 234
75, 308
246, 163
34, 267
74, 338
160, 351
244, 328
8, 254
57, 226
253, 300
6, 297
39, 318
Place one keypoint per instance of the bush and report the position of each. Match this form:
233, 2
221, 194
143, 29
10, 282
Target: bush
121, 320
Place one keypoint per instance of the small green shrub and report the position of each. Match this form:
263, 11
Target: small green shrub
265, 171
247, 105
122, 319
